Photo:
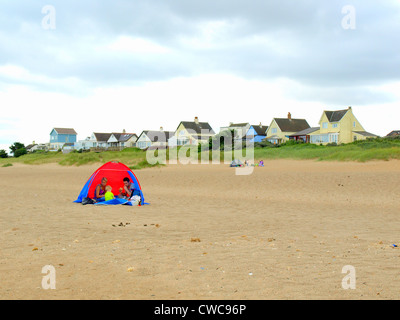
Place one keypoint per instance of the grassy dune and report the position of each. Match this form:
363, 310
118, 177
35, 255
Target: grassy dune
361, 151
378, 149
132, 157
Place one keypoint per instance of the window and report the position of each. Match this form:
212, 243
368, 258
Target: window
182, 142
323, 138
333, 138
354, 124
274, 130
355, 138
334, 125
325, 125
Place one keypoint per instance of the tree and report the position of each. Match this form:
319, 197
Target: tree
3, 154
218, 141
18, 149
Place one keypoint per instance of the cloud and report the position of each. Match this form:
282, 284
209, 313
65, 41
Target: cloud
124, 41
174, 59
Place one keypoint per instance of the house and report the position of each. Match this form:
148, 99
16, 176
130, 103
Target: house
86, 144
122, 140
393, 134
281, 128
36, 147
128, 140
31, 147
247, 132
60, 136
240, 130
151, 138
68, 147
191, 133
100, 139
257, 133
303, 135
340, 126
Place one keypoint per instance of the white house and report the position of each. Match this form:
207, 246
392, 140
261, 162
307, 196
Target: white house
149, 138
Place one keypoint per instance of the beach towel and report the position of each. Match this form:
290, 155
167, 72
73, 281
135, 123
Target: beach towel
114, 202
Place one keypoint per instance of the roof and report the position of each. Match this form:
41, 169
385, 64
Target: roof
102, 136
274, 137
123, 137
65, 131
238, 125
30, 146
197, 127
158, 136
365, 133
291, 125
335, 116
260, 130
394, 133
304, 132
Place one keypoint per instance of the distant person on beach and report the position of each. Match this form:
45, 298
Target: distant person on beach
100, 190
108, 195
127, 190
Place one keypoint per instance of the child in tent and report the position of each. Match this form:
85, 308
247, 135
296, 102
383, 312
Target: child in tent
108, 195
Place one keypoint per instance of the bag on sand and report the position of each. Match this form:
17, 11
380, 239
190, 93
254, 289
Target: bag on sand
135, 200
88, 201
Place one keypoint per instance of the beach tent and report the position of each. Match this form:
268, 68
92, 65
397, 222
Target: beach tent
236, 163
115, 172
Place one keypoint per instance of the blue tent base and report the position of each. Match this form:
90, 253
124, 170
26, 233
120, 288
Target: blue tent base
113, 202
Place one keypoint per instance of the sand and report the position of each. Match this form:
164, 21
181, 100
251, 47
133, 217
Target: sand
283, 232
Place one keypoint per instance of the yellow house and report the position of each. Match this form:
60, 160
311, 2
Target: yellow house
340, 126
191, 133
281, 128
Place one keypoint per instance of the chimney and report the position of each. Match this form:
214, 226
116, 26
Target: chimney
289, 116
123, 131
161, 129
349, 107
260, 125
33, 142
196, 120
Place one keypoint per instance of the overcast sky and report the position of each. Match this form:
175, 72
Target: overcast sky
105, 66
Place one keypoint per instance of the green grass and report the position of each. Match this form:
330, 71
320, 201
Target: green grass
361, 151
131, 157
7, 165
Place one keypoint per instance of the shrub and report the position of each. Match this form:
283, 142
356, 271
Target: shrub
7, 165
20, 152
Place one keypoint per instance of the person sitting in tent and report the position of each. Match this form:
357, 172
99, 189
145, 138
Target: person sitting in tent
108, 195
100, 190
127, 191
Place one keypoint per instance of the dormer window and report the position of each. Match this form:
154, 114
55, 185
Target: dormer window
334, 125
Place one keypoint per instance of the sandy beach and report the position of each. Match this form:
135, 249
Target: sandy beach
283, 232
